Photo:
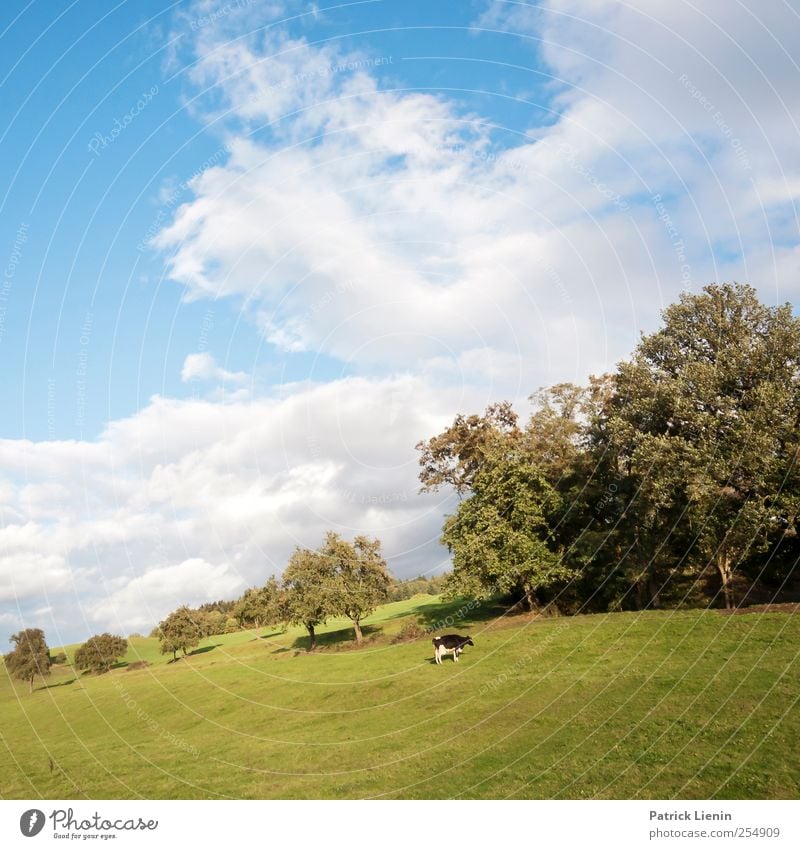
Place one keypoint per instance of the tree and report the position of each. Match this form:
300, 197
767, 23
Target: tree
30, 656
310, 591
100, 652
260, 605
704, 425
499, 536
454, 456
181, 630
361, 578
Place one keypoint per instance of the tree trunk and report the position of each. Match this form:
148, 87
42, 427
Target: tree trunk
357, 627
652, 587
30, 684
725, 574
313, 637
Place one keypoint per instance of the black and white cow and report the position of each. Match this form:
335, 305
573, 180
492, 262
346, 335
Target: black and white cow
450, 644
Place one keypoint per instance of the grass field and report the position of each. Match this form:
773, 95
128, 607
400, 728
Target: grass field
689, 704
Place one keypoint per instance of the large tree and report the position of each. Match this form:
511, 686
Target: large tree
499, 537
180, 631
100, 652
703, 425
30, 656
310, 589
360, 574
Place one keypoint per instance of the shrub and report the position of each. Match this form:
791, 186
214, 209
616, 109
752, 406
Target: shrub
411, 630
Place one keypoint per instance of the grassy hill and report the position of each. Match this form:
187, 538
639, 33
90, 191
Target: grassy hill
688, 704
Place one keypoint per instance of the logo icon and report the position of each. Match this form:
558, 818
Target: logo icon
31, 822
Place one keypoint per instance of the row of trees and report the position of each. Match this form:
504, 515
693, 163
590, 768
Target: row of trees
31, 656
673, 480
340, 578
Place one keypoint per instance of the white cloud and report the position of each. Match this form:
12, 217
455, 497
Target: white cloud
189, 501
204, 367
384, 230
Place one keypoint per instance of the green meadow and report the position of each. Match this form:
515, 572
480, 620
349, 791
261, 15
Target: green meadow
678, 704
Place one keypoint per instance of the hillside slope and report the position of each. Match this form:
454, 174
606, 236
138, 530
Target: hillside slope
662, 704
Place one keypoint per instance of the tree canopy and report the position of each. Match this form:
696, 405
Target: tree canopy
100, 652
180, 631
29, 657
309, 582
673, 480
360, 576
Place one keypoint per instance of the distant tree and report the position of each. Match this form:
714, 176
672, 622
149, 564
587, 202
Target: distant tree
360, 576
260, 606
30, 656
499, 537
100, 652
310, 591
180, 631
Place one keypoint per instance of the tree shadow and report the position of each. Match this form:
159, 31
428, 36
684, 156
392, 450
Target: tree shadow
444, 615
271, 634
337, 638
203, 649
53, 686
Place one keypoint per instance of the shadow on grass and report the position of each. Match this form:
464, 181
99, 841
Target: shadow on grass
120, 664
204, 649
271, 634
337, 638
53, 686
443, 615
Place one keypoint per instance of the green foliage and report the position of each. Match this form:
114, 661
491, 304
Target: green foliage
100, 652
499, 537
401, 590
180, 631
360, 576
311, 590
679, 467
261, 606
29, 657
703, 427
456, 455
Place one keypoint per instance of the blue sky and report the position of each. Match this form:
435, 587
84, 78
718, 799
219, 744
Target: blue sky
253, 252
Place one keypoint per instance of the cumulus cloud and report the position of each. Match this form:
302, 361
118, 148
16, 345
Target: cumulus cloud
192, 500
204, 367
388, 231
